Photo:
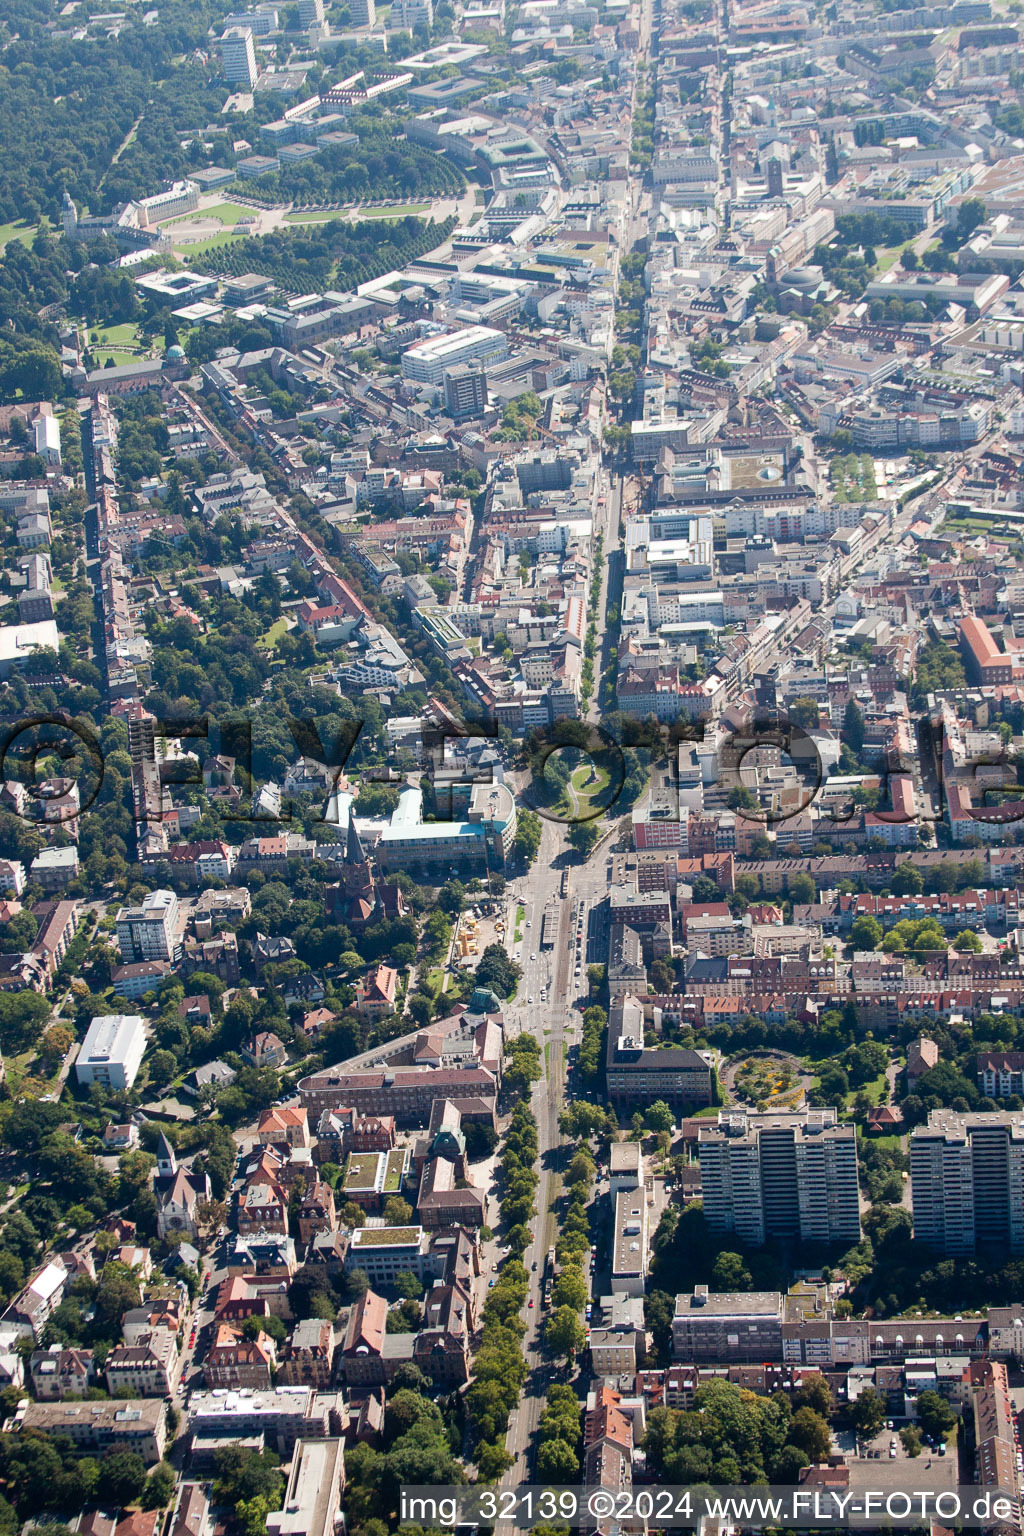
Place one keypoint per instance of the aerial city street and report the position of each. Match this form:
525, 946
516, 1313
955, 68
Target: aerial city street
512, 796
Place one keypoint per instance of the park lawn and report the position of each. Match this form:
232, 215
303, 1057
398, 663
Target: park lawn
582, 774
590, 796
18, 230
953, 522
118, 355
201, 247
887, 259
392, 213
876, 1089
269, 640
226, 213
520, 914
318, 216
115, 335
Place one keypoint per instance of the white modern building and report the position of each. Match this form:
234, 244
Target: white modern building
425, 361
19, 641
315, 1483
47, 435
412, 13
238, 55
150, 931
112, 1051
261, 21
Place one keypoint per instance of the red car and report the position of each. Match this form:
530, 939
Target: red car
530, 1302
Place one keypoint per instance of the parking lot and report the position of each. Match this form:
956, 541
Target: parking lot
927, 1473
887, 1445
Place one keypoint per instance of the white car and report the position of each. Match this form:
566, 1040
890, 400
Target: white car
529, 999
533, 957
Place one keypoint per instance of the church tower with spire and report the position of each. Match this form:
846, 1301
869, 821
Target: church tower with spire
356, 874
354, 898
166, 1159
354, 854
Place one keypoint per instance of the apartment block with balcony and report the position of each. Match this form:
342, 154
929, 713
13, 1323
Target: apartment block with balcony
967, 1182
781, 1176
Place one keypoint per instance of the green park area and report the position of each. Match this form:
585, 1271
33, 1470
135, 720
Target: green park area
393, 213
356, 211
19, 230
121, 344
269, 639
958, 521
214, 243
227, 214
315, 216
852, 476
590, 783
